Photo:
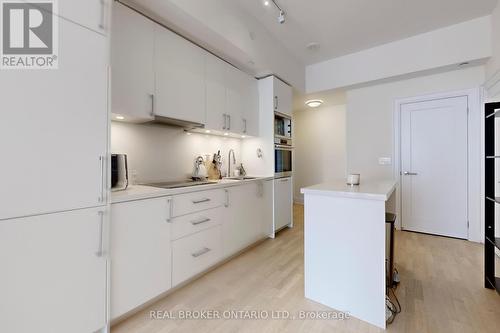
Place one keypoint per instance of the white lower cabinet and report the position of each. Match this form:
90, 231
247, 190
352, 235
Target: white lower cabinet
195, 253
283, 202
53, 272
140, 253
192, 223
159, 243
267, 206
244, 223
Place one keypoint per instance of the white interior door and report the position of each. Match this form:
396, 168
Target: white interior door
434, 166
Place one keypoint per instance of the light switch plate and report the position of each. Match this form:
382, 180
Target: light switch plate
384, 161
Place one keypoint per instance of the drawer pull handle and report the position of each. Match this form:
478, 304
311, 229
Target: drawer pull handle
201, 252
201, 201
200, 221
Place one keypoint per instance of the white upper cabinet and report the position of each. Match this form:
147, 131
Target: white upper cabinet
140, 253
132, 62
235, 99
250, 111
56, 265
282, 97
53, 129
232, 99
179, 78
216, 94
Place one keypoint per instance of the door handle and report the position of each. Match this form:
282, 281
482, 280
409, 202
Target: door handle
226, 204
201, 252
406, 173
170, 203
101, 22
205, 220
99, 253
101, 175
152, 96
200, 201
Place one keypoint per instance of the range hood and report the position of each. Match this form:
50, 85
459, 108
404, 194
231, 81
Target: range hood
188, 125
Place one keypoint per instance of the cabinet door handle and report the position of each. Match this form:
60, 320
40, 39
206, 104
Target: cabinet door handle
201, 252
204, 220
275, 103
152, 97
406, 173
226, 204
201, 201
100, 225
244, 126
101, 179
229, 122
224, 120
101, 22
170, 203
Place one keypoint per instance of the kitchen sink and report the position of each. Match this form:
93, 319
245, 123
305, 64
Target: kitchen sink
241, 178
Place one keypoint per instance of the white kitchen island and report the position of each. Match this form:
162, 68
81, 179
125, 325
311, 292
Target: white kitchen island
345, 237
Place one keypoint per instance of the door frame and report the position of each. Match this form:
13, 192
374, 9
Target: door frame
475, 152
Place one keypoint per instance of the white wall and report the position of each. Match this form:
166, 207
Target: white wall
467, 41
370, 128
494, 63
370, 116
320, 150
165, 153
493, 66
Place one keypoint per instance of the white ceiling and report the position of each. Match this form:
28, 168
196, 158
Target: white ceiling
346, 26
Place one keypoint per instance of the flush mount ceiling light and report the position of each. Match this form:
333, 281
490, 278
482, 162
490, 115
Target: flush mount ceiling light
314, 103
281, 17
120, 117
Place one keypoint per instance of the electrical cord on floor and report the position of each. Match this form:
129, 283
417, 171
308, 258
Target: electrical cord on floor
392, 310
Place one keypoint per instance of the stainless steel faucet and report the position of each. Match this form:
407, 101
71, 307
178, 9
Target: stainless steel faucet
229, 162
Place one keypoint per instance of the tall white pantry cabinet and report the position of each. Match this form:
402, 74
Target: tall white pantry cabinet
54, 193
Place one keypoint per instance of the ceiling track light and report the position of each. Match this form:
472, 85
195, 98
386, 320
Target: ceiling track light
281, 17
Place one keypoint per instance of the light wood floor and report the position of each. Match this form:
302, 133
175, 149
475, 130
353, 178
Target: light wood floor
441, 290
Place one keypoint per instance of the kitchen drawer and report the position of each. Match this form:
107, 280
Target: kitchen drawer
197, 201
193, 254
193, 223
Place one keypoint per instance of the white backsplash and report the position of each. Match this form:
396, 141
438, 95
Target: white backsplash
165, 153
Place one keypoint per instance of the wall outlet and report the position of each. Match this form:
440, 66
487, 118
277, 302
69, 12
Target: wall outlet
384, 161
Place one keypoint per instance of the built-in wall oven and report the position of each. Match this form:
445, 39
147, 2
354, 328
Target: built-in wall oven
283, 160
283, 149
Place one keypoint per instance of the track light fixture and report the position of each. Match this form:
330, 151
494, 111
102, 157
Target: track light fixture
282, 15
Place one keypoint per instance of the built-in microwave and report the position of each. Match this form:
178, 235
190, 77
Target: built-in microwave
283, 160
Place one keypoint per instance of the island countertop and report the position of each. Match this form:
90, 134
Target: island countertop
368, 189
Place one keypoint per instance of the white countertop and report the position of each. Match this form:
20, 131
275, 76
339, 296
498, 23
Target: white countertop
368, 189
140, 192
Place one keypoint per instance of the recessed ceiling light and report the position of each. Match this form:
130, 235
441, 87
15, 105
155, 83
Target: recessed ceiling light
120, 117
314, 103
226, 134
243, 136
266, 3
207, 131
188, 133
